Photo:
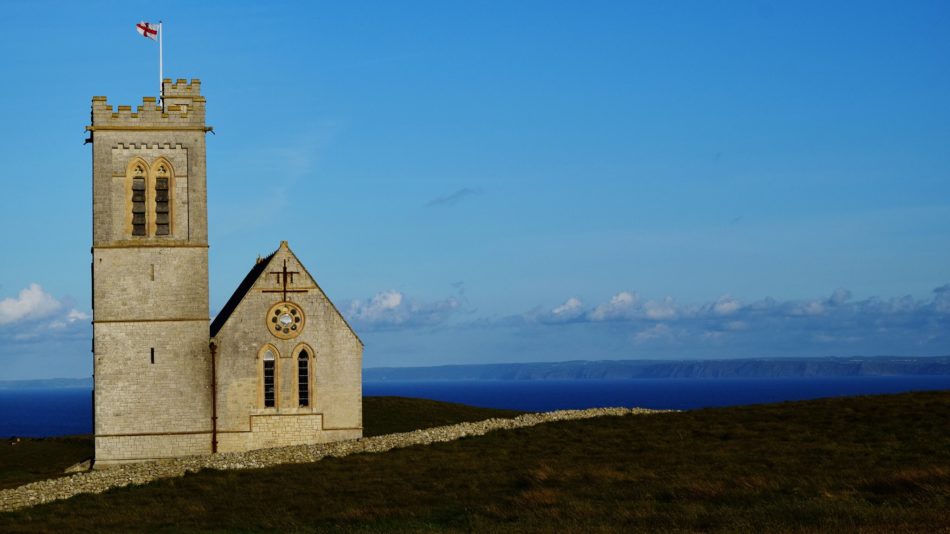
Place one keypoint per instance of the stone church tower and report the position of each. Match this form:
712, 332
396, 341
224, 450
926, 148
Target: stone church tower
150, 277
278, 366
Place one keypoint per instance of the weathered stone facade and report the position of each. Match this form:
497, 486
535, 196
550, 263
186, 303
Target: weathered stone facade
155, 391
334, 407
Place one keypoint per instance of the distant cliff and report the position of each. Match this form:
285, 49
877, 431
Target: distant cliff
47, 383
619, 369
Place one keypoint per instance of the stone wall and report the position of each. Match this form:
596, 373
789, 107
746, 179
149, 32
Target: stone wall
149, 283
143, 473
154, 403
113, 450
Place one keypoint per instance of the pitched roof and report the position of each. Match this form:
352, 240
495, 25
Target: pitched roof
239, 293
249, 282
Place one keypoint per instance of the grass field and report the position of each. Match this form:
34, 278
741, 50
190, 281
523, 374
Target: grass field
26, 460
874, 464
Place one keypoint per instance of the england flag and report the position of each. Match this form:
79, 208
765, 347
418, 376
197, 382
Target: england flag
148, 30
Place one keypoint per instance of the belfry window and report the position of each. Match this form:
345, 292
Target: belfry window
162, 212
270, 393
303, 378
139, 223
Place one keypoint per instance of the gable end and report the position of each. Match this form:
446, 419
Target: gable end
239, 294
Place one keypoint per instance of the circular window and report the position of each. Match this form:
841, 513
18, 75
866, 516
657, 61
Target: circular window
285, 320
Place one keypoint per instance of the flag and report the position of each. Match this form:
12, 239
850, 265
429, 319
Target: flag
147, 30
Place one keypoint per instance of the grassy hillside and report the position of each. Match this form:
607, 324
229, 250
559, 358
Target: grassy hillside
385, 415
877, 464
26, 460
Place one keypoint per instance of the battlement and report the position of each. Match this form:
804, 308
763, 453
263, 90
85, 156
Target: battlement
184, 110
181, 88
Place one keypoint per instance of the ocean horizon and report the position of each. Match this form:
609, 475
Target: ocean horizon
46, 412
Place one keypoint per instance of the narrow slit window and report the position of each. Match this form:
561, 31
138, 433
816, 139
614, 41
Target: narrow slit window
162, 210
303, 378
139, 223
269, 383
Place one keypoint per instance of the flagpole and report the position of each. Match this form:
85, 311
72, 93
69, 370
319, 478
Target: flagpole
161, 84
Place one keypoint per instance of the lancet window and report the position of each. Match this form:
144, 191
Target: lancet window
303, 378
139, 178
162, 196
269, 379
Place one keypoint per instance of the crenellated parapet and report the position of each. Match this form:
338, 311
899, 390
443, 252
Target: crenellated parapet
181, 88
184, 109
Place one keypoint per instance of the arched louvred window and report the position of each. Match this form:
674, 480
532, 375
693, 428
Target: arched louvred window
139, 179
162, 172
270, 378
303, 378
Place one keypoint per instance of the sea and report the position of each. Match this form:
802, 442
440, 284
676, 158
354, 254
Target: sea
68, 411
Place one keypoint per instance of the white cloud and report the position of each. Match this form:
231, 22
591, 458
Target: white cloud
627, 306
660, 310
571, 310
837, 320
31, 303
393, 308
657, 331
839, 297
620, 306
76, 315
942, 299
70, 318
809, 307
726, 305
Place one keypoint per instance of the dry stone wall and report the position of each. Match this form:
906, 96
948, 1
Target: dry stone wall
123, 475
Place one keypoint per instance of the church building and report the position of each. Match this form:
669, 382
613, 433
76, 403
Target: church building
278, 365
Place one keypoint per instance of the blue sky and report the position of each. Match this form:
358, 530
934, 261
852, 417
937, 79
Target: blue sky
496, 181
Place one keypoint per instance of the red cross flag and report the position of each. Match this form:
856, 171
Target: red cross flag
148, 30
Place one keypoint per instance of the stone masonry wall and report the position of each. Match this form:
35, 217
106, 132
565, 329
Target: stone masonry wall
150, 293
336, 394
148, 283
135, 396
112, 450
272, 431
112, 152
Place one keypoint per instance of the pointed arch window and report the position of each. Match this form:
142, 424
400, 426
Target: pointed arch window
269, 366
139, 178
163, 183
303, 378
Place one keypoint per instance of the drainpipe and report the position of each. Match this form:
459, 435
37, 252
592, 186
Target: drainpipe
214, 400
